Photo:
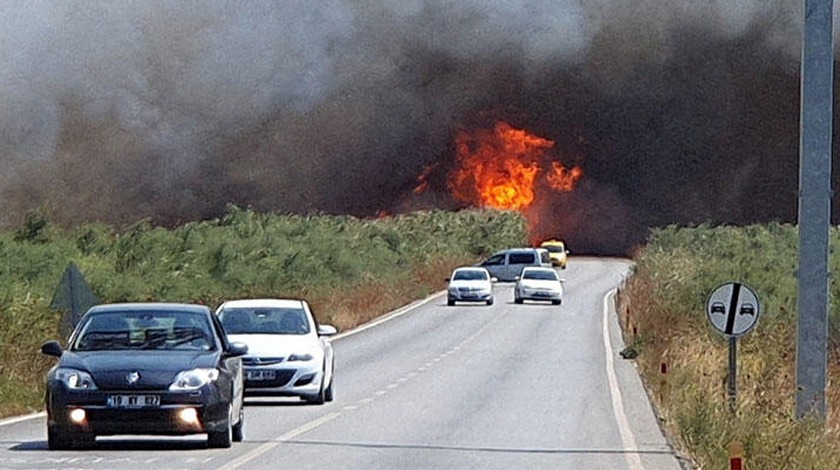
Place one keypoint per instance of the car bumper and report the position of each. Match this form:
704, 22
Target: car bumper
469, 296
303, 381
540, 295
211, 412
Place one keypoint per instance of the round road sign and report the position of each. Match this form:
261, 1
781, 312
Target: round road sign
733, 308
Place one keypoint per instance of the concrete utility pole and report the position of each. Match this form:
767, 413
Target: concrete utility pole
814, 208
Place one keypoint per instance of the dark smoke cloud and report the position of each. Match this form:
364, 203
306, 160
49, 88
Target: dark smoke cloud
679, 111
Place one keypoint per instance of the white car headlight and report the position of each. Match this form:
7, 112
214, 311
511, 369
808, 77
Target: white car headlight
75, 379
194, 379
300, 357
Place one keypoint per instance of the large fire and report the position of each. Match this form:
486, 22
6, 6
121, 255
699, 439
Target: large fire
503, 168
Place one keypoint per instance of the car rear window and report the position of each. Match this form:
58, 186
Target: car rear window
521, 258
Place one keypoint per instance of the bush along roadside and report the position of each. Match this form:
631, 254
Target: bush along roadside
351, 270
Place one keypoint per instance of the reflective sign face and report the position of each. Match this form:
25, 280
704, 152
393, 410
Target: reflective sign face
733, 309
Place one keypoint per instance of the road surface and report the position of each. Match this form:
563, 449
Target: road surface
506, 386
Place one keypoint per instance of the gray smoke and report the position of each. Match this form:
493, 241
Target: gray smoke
678, 110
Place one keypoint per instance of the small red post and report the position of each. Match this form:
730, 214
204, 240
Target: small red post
736, 456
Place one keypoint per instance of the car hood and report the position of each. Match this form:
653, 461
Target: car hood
157, 370
471, 284
278, 345
539, 284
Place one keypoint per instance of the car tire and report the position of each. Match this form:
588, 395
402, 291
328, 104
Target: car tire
450, 302
237, 432
222, 439
321, 397
556, 302
490, 301
328, 393
517, 300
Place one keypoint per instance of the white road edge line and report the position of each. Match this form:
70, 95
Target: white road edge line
390, 316
634, 462
18, 419
245, 458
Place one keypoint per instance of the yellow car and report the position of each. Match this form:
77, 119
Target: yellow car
557, 252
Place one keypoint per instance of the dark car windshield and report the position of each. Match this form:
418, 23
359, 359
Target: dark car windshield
540, 275
264, 320
149, 330
554, 248
470, 275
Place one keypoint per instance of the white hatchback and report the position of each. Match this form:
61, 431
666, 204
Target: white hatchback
470, 284
289, 354
537, 283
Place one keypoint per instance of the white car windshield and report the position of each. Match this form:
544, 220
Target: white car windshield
539, 275
265, 320
470, 275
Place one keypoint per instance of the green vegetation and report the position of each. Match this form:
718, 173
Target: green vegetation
351, 270
662, 310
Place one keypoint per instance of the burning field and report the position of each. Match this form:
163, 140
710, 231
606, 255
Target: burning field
596, 120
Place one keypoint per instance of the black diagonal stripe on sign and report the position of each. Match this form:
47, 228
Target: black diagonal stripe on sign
733, 308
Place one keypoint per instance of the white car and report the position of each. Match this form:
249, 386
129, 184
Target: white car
538, 283
289, 354
470, 284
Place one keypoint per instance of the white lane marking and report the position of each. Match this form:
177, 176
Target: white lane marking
634, 462
18, 419
276, 442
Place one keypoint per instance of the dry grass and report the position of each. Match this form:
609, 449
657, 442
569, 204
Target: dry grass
692, 396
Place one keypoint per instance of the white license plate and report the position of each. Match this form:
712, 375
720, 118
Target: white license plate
133, 401
260, 375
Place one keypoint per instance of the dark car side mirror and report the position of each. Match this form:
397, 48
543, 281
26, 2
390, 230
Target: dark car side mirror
237, 349
52, 348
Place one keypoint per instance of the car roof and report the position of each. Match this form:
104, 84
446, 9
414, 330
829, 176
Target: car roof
519, 250
470, 268
253, 303
551, 242
143, 306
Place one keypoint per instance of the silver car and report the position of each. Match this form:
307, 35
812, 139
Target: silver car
289, 353
537, 283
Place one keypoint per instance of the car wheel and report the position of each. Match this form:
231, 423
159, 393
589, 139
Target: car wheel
329, 395
222, 439
237, 433
450, 302
556, 302
321, 397
490, 301
58, 439
517, 300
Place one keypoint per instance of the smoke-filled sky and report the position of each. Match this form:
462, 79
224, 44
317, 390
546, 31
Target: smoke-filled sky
678, 111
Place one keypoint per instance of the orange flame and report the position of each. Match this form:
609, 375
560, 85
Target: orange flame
499, 168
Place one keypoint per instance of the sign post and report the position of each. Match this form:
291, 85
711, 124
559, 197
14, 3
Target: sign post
733, 309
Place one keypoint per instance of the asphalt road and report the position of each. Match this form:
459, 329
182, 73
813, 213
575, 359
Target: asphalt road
433, 387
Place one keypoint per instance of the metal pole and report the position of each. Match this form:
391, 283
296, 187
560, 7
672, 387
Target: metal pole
732, 384
814, 208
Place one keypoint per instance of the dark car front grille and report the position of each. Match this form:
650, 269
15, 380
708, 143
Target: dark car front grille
261, 361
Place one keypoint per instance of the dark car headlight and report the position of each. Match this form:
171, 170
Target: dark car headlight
75, 379
194, 379
300, 357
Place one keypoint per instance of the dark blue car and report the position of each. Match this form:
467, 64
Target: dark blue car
145, 368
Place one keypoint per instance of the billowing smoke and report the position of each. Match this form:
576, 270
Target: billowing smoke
679, 111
